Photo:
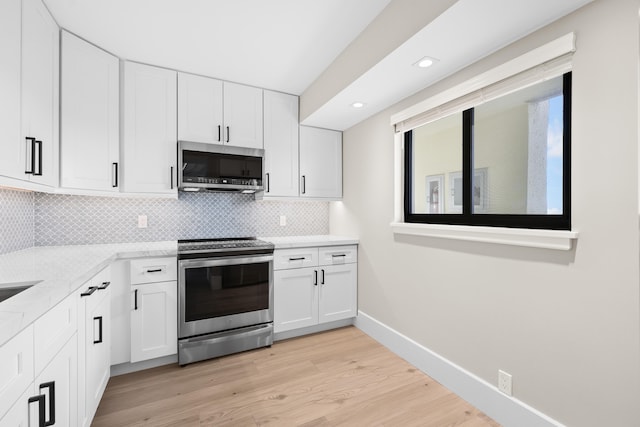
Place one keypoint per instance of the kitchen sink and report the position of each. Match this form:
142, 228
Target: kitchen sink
7, 290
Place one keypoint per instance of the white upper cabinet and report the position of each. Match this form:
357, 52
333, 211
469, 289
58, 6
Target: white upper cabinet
217, 112
281, 144
242, 115
320, 163
40, 92
89, 144
12, 160
199, 109
29, 47
149, 129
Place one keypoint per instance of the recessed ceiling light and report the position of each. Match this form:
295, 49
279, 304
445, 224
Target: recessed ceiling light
357, 104
425, 62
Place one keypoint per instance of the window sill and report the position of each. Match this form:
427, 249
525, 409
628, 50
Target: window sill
548, 239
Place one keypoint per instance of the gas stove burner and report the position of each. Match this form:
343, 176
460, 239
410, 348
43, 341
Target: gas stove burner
222, 247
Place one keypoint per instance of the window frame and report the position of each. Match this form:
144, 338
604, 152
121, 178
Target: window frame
467, 218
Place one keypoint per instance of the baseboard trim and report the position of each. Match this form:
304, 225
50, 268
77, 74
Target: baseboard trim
506, 410
278, 336
127, 368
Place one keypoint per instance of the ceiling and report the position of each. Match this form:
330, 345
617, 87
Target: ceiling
275, 44
285, 45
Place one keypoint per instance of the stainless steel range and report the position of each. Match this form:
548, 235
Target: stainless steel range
225, 297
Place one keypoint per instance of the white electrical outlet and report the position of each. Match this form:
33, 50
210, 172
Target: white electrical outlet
142, 221
283, 220
505, 382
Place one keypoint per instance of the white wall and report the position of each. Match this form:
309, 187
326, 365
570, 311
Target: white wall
566, 325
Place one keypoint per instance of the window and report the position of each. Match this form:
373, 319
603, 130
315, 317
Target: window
503, 163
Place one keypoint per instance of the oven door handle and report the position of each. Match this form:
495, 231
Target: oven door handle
222, 261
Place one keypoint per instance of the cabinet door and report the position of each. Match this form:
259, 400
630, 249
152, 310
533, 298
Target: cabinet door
242, 116
154, 314
338, 292
58, 383
320, 163
40, 83
16, 368
150, 129
199, 109
89, 152
281, 144
295, 298
12, 160
97, 349
21, 411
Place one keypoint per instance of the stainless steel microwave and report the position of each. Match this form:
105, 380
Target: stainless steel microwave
222, 168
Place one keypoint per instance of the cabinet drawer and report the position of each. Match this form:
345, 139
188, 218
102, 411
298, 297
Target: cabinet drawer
332, 255
151, 270
53, 330
295, 258
16, 368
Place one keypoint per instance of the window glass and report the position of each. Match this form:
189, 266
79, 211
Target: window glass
517, 152
437, 157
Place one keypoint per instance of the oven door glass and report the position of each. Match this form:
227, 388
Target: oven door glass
220, 288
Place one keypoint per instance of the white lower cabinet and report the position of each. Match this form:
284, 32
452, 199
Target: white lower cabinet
311, 295
154, 324
16, 376
154, 308
94, 346
58, 384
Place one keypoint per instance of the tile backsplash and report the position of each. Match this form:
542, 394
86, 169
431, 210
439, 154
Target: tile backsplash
16, 220
76, 220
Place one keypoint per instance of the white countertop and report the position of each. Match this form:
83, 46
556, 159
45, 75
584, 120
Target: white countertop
62, 270
308, 241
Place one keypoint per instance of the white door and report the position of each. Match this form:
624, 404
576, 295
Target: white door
58, 382
338, 292
40, 85
242, 116
320, 163
281, 144
97, 348
12, 148
150, 129
199, 109
21, 411
295, 298
154, 315
89, 152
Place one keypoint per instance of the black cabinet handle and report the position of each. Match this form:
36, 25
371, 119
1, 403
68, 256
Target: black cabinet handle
39, 172
338, 255
322, 282
99, 319
155, 270
268, 182
171, 177
40, 400
104, 285
52, 401
135, 299
114, 174
30, 161
296, 259
219, 131
315, 277
304, 184
227, 133
89, 291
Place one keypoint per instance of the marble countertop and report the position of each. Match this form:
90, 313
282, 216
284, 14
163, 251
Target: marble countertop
307, 241
62, 270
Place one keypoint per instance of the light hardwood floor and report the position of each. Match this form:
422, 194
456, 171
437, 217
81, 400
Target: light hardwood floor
336, 378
